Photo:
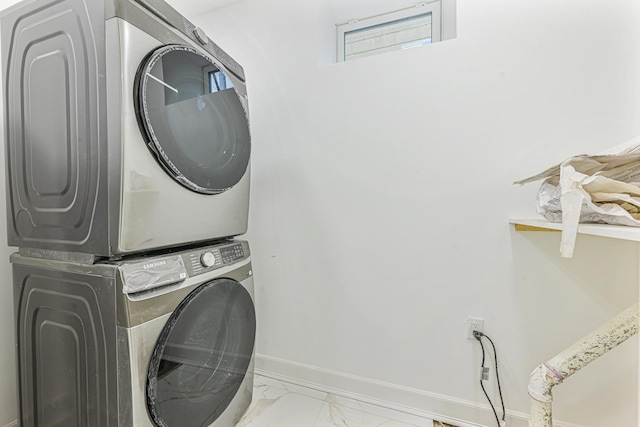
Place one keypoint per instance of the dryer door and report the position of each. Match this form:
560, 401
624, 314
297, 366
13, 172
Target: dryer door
202, 356
193, 119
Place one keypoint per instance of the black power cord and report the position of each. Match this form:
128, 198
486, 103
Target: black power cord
479, 335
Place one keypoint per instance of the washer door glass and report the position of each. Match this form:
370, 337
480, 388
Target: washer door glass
192, 118
202, 356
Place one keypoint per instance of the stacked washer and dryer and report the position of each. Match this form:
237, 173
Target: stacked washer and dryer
127, 157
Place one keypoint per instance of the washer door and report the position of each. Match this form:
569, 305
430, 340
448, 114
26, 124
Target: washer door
202, 356
192, 118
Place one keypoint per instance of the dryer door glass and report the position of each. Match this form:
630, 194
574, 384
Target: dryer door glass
202, 356
193, 119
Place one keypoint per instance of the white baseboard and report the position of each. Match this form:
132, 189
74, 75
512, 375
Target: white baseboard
418, 402
458, 412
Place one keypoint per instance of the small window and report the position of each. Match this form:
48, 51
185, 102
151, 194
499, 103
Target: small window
397, 30
217, 80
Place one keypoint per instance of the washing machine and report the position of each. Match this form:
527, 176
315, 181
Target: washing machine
162, 340
126, 129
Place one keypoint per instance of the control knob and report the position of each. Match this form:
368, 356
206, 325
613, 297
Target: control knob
208, 259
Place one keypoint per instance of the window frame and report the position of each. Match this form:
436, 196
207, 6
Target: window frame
423, 8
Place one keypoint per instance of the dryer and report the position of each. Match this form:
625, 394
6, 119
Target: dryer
156, 341
126, 129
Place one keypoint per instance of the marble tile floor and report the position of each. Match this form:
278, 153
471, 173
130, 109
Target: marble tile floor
281, 404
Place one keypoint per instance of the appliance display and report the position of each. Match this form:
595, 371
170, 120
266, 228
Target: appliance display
155, 341
126, 128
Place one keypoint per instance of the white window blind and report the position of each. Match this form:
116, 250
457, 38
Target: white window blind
397, 30
396, 35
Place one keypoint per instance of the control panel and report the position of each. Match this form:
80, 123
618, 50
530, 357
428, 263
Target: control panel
215, 257
150, 273
231, 253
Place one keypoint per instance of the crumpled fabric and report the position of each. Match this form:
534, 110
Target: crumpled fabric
603, 189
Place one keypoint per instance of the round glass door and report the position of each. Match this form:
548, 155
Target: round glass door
192, 118
202, 356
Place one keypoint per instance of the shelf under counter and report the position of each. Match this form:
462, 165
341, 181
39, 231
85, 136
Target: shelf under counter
621, 232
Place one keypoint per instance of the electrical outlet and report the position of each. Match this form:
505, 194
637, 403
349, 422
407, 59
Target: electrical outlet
474, 324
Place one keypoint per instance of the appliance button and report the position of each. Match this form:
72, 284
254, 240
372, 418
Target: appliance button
201, 36
207, 259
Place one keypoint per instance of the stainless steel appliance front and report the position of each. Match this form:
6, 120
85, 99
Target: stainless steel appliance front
154, 341
126, 128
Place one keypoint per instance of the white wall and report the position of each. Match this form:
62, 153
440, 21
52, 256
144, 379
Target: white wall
382, 189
